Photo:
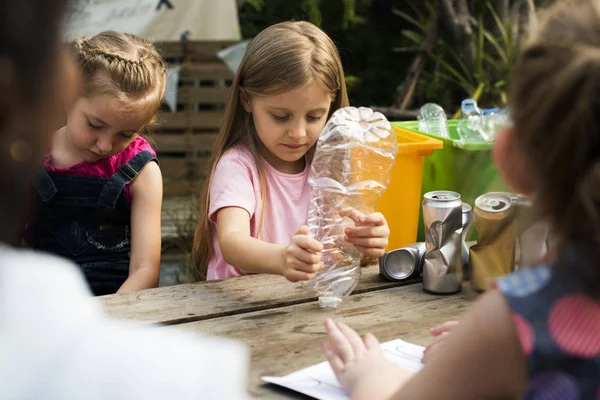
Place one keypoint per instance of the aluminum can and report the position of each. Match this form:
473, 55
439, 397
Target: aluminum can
494, 254
443, 265
467, 222
400, 264
532, 231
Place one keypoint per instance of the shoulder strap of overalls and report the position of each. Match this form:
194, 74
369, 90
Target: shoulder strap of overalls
44, 185
125, 174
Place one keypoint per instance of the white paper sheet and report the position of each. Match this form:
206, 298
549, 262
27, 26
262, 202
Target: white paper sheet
319, 380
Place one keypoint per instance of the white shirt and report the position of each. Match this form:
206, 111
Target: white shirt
55, 343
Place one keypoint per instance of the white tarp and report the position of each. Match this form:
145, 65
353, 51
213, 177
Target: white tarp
158, 20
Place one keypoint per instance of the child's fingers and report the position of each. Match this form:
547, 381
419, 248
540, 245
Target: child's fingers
371, 341
371, 252
353, 338
303, 230
338, 341
331, 356
429, 350
302, 266
304, 256
445, 327
374, 219
433, 346
368, 243
353, 214
367, 231
307, 243
298, 276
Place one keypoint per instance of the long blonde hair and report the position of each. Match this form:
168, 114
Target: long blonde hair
280, 58
124, 66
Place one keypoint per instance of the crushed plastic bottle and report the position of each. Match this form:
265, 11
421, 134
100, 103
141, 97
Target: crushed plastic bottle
350, 169
471, 121
492, 122
432, 120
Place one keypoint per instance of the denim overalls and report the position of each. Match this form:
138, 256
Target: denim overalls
87, 219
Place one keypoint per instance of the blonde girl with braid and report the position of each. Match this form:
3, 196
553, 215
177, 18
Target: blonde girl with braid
98, 199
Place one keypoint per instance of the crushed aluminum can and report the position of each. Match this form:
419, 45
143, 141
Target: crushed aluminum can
443, 263
494, 254
400, 264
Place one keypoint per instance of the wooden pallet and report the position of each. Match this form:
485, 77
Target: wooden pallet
185, 137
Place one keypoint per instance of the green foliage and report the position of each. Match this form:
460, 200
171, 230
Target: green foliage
365, 32
450, 76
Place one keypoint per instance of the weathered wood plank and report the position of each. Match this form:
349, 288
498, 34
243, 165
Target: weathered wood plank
183, 187
184, 168
204, 71
205, 300
180, 142
212, 95
198, 50
190, 120
286, 339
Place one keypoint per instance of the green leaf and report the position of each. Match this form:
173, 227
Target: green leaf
352, 81
415, 37
494, 42
416, 11
499, 23
256, 4
452, 71
410, 19
431, 8
459, 60
466, 87
480, 46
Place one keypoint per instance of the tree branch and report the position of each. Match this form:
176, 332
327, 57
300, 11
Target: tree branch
404, 99
459, 21
524, 19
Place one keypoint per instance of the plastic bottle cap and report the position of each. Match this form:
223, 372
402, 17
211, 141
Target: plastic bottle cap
329, 301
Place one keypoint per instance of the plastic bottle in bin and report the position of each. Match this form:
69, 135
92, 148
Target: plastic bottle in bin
432, 120
471, 121
350, 168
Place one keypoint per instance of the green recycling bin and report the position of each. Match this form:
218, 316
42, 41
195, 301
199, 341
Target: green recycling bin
464, 167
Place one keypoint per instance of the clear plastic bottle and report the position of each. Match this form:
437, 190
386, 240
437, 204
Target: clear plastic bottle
492, 122
470, 122
350, 168
432, 119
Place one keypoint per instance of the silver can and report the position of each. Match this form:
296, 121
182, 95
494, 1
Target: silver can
443, 264
400, 264
467, 222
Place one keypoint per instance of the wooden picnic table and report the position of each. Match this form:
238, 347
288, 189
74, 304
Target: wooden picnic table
281, 323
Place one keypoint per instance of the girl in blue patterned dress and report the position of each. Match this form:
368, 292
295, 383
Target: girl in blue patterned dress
536, 335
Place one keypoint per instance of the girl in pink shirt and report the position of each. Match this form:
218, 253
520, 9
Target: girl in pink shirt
254, 206
98, 198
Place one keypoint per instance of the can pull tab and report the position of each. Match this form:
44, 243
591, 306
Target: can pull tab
495, 204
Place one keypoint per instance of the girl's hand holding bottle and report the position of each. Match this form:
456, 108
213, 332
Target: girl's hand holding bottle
369, 235
302, 257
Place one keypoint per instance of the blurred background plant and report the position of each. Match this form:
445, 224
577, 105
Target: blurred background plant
402, 53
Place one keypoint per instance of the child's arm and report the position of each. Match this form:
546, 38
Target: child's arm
297, 261
146, 204
482, 359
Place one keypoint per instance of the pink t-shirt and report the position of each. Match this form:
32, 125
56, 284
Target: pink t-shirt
236, 183
106, 167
